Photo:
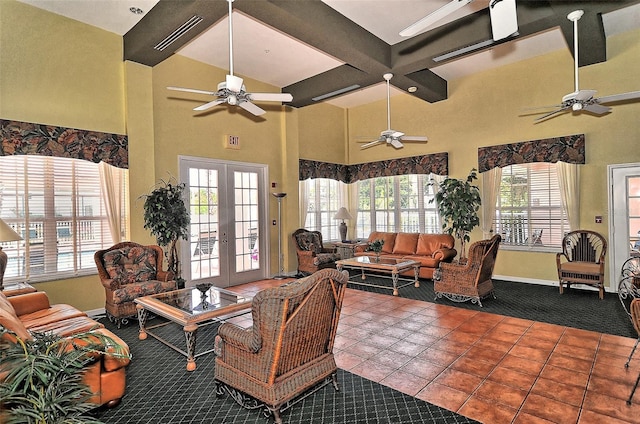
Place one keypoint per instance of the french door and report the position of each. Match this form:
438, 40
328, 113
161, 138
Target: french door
227, 204
624, 210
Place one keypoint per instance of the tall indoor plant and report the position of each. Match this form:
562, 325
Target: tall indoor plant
167, 217
458, 202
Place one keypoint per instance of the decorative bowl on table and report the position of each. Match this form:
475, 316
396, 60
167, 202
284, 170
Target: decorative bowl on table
203, 287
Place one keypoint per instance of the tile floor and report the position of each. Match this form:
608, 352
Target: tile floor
488, 367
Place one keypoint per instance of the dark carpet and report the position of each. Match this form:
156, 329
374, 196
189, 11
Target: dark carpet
575, 308
160, 390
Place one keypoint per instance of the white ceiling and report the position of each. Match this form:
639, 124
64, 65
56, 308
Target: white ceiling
265, 54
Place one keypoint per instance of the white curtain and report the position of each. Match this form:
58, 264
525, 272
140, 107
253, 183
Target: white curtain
112, 195
490, 191
569, 182
437, 181
352, 206
303, 201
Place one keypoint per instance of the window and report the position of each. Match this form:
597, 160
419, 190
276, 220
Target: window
56, 205
399, 203
529, 209
324, 196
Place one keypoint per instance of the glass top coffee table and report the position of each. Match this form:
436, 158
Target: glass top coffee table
191, 308
382, 265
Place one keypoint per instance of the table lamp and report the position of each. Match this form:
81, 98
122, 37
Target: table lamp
6, 234
343, 214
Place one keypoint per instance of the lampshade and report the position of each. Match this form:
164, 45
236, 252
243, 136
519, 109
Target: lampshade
343, 213
7, 233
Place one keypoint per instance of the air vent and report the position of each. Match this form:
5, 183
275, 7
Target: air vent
179, 32
335, 93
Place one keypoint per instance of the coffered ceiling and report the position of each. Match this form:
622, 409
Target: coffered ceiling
310, 47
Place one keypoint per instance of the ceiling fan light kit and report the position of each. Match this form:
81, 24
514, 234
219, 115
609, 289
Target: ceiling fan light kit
392, 137
232, 90
584, 100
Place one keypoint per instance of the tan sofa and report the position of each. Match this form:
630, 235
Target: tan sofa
29, 312
428, 249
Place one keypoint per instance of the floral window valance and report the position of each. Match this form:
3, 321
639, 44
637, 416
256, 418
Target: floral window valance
25, 138
437, 163
569, 149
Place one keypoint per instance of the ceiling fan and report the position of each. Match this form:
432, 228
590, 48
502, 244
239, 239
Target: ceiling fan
389, 136
504, 20
232, 91
581, 100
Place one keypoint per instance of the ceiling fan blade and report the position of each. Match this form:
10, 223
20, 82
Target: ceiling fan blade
550, 114
504, 19
631, 95
209, 105
371, 144
251, 108
396, 134
270, 97
414, 138
434, 17
234, 83
396, 143
192, 90
597, 109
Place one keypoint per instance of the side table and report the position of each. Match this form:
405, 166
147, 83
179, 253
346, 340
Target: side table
17, 289
345, 250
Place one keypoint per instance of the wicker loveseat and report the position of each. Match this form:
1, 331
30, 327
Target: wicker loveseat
289, 348
428, 249
129, 270
32, 312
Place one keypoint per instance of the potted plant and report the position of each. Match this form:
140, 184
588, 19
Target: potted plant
376, 247
458, 202
42, 378
167, 217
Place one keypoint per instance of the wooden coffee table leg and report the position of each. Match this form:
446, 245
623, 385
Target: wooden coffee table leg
394, 278
416, 270
142, 320
190, 337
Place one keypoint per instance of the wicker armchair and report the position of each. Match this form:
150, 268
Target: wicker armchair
129, 270
583, 252
289, 349
635, 318
470, 281
312, 255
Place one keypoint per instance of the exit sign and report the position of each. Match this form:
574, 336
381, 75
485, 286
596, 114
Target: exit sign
232, 142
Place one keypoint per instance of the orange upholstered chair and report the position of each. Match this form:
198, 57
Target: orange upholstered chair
582, 260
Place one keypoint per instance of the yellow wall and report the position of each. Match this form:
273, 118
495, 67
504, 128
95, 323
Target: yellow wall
485, 109
66, 74
70, 74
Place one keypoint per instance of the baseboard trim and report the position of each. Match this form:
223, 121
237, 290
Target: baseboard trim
545, 282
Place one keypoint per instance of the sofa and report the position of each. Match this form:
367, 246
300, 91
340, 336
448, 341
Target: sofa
32, 312
428, 249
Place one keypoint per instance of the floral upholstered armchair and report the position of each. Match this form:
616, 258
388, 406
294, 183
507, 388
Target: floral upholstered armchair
129, 270
312, 255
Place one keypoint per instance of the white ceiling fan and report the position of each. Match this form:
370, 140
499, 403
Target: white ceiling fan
504, 20
583, 100
389, 136
232, 90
